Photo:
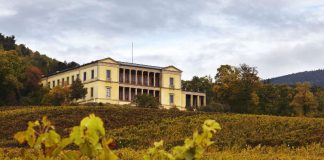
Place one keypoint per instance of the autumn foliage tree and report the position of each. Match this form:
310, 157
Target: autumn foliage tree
275, 99
21, 70
11, 66
57, 96
236, 87
304, 101
64, 95
226, 81
32, 92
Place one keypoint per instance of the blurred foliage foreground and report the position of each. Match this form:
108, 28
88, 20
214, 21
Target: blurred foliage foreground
93, 143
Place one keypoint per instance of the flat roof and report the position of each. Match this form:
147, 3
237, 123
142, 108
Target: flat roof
139, 65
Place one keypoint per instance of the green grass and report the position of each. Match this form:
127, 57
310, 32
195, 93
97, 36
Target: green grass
136, 129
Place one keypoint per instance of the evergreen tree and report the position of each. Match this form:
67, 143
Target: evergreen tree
77, 90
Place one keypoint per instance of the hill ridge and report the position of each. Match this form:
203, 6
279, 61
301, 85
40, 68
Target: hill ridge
315, 77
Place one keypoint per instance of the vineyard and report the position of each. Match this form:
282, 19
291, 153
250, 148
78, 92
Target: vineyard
135, 129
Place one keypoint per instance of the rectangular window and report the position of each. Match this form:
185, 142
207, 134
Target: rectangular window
67, 80
91, 91
108, 92
108, 75
78, 76
84, 76
63, 82
53, 83
171, 99
48, 84
58, 82
72, 79
171, 82
92, 74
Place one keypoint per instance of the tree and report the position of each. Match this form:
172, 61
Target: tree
200, 84
304, 102
286, 95
77, 90
248, 84
237, 87
21, 70
275, 99
225, 87
8, 42
319, 94
146, 101
32, 92
31, 78
57, 96
11, 67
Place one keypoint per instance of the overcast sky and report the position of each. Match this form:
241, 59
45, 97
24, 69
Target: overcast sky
276, 36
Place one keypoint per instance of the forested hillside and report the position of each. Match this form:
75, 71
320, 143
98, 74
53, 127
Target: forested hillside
43, 62
239, 89
21, 70
316, 78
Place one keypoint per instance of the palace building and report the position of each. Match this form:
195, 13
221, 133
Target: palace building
115, 82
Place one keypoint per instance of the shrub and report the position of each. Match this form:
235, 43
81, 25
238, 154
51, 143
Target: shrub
57, 96
146, 101
215, 107
94, 104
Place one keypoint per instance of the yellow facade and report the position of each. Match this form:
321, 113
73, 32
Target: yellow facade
110, 81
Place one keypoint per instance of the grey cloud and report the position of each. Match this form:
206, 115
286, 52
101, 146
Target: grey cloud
275, 15
285, 60
278, 36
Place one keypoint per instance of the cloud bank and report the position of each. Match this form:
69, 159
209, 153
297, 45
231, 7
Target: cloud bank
278, 37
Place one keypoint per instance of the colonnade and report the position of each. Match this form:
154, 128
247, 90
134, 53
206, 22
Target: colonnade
195, 100
139, 77
129, 93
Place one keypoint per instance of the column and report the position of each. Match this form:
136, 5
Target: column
142, 90
198, 101
205, 101
148, 79
136, 78
129, 94
124, 72
191, 100
129, 76
142, 78
154, 79
135, 91
123, 93
153, 93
